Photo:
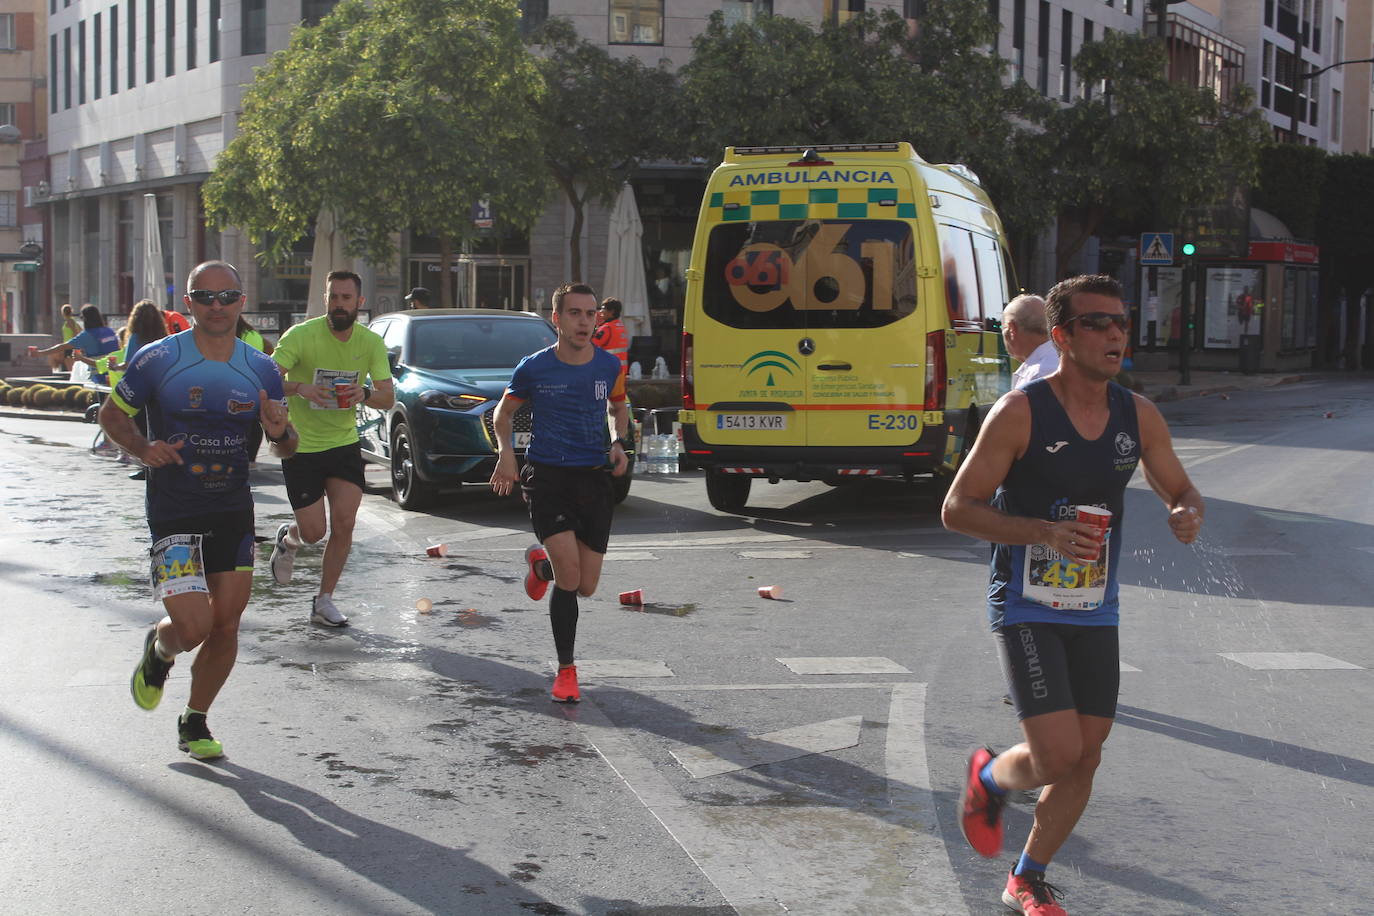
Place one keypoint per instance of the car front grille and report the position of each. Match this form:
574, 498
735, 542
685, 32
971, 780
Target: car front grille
522, 422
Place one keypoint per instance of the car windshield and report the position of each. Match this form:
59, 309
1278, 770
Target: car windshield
475, 343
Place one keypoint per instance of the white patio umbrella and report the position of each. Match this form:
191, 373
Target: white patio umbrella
625, 263
154, 276
326, 255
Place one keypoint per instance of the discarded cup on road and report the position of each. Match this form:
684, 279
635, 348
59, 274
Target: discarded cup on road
424, 605
437, 550
770, 591
1328, 415
1099, 518
635, 596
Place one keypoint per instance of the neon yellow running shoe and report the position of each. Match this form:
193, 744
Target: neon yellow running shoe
150, 675
193, 737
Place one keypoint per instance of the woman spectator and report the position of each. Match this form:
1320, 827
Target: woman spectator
145, 326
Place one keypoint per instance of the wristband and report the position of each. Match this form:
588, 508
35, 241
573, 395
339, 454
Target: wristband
285, 434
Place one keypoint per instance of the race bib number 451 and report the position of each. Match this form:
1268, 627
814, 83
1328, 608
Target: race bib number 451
177, 566
1057, 581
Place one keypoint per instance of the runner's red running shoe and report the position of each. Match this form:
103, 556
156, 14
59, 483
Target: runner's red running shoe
980, 812
1031, 894
565, 685
537, 559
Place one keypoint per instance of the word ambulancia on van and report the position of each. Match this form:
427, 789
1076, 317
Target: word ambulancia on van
841, 317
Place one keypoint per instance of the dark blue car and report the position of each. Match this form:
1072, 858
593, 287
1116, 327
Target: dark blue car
450, 368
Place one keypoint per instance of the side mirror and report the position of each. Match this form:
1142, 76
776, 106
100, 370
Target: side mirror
393, 358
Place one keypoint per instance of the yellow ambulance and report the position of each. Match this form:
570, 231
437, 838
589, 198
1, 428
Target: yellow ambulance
841, 317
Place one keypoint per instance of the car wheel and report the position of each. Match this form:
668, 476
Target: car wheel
408, 489
620, 486
727, 492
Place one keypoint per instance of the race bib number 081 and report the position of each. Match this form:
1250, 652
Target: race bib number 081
177, 566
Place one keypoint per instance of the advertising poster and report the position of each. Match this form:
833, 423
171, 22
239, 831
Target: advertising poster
1231, 294
1161, 299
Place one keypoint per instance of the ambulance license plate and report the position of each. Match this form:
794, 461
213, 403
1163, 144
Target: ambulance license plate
748, 421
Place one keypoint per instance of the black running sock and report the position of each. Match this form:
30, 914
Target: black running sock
563, 614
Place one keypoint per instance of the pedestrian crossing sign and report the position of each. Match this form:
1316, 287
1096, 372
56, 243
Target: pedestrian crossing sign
1157, 249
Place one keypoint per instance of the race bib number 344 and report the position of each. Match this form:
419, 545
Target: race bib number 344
177, 566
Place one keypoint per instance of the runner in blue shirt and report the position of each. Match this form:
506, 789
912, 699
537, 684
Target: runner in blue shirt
203, 389
570, 386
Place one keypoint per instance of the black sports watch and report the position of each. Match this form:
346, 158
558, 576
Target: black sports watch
623, 443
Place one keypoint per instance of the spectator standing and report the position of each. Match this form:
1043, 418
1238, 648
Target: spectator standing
61, 358
610, 334
1028, 339
418, 298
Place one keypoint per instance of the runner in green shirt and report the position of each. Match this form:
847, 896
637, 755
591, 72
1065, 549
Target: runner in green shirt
326, 361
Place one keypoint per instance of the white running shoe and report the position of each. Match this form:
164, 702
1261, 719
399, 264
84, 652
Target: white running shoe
323, 612
283, 557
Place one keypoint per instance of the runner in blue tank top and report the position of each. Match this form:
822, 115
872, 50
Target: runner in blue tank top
571, 387
1072, 439
202, 389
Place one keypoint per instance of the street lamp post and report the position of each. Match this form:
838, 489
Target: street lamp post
1299, 77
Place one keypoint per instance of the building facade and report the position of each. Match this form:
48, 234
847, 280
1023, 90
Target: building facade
23, 123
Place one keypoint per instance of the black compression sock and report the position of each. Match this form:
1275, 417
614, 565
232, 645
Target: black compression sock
563, 614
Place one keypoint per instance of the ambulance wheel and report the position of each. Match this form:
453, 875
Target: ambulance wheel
727, 492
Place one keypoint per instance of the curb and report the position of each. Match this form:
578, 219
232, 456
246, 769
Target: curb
23, 413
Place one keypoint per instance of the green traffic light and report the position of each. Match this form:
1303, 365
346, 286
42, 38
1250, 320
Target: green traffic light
1189, 249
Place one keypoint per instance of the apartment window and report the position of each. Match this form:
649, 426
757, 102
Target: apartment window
534, 13
1065, 55
214, 30
170, 36
81, 62
1042, 47
995, 12
9, 209
97, 49
1317, 31
52, 68
114, 49
149, 46
67, 68
1018, 40
131, 43
640, 22
841, 10
1335, 116
1128, 7
191, 24
736, 11
1338, 33
1269, 13
254, 25
8, 113
312, 11
7, 32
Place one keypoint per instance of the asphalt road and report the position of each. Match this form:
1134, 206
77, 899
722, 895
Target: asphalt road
732, 754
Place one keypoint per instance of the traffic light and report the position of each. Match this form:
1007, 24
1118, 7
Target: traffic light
1188, 249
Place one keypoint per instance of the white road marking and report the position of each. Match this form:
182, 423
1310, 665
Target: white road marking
1125, 668
1289, 661
630, 555
722, 757
937, 553
621, 667
820, 859
844, 665
775, 554
1253, 552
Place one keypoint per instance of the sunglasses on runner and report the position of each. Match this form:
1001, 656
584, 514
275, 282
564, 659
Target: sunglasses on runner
1101, 321
209, 296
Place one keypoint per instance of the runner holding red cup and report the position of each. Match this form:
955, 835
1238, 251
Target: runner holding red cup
341, 386
1101, 520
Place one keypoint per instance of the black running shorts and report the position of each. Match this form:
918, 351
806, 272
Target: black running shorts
579, 500
1056, 666
306, 472
228, 542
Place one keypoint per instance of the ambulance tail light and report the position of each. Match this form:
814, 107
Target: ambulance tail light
936, 374
689, 399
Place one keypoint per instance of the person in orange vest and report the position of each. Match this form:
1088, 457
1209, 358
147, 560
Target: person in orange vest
610, 334
175, 321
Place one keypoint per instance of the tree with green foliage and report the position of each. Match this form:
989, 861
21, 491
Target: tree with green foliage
1346, 235
1289, 186
781, 81
1145, 149
393, 114
599, 118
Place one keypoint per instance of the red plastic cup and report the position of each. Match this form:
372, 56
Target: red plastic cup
437, 550
341, 391
1101, 520
770, 591
33, 350
635, 597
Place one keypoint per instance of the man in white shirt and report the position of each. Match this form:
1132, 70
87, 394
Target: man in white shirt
1028, 339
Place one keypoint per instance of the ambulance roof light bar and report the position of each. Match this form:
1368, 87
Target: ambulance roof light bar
824, 148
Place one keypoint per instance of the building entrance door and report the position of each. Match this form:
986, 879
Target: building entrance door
480, 281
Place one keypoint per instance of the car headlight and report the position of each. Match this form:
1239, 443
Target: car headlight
451, 401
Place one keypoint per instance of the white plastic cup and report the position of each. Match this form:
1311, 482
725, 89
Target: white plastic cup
1101, 520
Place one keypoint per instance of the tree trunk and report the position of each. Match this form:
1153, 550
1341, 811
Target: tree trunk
445, 273
575, 236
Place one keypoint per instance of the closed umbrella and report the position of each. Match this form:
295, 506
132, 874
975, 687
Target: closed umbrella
625, 263
326, 255
154, 273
